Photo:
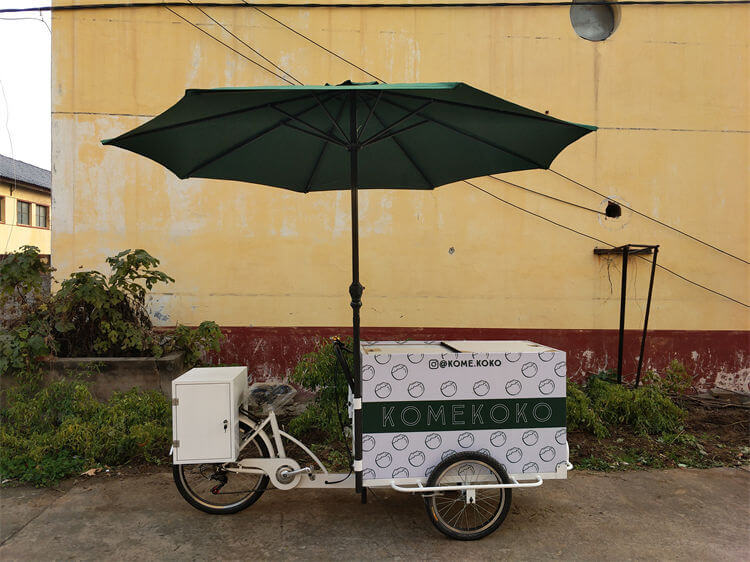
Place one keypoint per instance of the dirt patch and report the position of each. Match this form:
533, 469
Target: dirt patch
712, 436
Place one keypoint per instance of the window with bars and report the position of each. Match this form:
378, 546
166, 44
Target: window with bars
23, 213
42, 216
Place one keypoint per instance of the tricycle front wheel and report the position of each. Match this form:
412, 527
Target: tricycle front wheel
455, 513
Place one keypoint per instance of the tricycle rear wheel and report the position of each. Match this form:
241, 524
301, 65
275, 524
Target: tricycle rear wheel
450, 512
214, 490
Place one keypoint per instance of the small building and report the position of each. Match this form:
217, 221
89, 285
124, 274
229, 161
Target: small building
25, 198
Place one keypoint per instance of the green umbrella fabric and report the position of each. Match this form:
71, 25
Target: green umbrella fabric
408, 136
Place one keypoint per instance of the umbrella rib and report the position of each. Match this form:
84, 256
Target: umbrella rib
393, 133
306, 124
239, 145
334, 121
313, 134
406, 153
545, 118
411, 113
322, 152
136, 132
369, 115
475, 137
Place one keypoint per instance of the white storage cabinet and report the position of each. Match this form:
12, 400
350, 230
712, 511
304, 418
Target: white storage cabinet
205, 414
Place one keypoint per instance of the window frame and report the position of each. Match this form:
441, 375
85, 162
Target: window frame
46, 216
31, 216
3, 208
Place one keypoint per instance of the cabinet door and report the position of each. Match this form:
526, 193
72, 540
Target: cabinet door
200, 416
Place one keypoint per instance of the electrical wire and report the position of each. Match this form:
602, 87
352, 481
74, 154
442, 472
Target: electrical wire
644, 215
602, 242
13, 158
326, 49
228, 46
598, 212
30, 19
532, 4
269, 61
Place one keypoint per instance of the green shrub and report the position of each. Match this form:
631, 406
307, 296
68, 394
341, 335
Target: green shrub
675, 380
320, 372
61, 430
98, 315
647, 410
195, 342
581, 415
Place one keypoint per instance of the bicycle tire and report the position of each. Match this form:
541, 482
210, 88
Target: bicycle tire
189, 481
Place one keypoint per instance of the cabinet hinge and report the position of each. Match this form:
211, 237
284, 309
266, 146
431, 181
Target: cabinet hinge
176, 443
175, 401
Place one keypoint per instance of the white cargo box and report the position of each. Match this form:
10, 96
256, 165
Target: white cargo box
205, 414
425, 401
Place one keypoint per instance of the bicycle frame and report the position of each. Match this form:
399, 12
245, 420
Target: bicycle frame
278, 466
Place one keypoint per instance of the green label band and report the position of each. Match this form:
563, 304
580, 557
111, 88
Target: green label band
461, 415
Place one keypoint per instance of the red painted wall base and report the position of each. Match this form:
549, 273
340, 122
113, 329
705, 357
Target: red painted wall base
272, 352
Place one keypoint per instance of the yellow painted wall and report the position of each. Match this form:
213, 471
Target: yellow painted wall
12, 235
669, 91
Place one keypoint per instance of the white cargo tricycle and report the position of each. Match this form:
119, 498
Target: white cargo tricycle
461, 423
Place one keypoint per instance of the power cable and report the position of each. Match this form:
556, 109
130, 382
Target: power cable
314, 42
13, 158
598, 212
532, 4
602, 242
276, 66
644, 215
228, 46
30, 19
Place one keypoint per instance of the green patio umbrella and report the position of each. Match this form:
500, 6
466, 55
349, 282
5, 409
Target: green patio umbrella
351, 136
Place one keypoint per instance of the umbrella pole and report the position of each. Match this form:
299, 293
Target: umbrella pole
355, 291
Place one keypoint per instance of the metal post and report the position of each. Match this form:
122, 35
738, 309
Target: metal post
645, 320
355, 291
623, 292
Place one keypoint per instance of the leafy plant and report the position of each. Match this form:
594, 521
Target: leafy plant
195, 342
99, 315
25, 331
581, 414
22, 275
648, 410
320, 372
60, 430
675, 380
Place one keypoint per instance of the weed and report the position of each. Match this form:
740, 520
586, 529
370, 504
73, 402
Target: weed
647, 410
60, 430
581, 414
320, 372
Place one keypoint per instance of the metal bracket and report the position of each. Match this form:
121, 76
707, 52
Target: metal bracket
175, 401
420, 489
358, 466
176, 443
357, 403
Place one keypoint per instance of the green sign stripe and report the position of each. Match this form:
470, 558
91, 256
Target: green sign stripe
461, 415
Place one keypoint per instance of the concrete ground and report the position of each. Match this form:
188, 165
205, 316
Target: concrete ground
674, 515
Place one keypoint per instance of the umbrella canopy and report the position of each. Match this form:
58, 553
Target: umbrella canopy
350, 136
409, 136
